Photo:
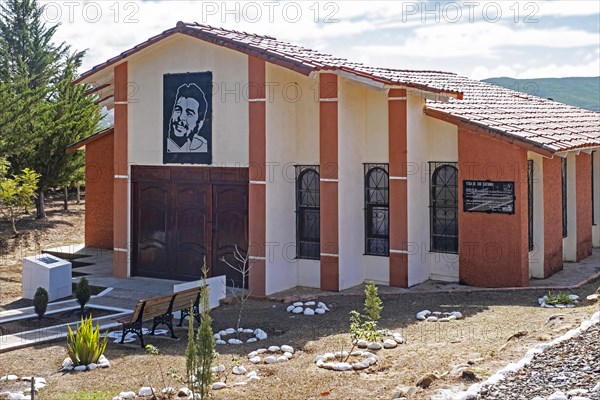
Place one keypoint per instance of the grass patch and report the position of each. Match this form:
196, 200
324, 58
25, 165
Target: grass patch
87, 395
558, 298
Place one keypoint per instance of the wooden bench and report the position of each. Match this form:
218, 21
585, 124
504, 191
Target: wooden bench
160, 309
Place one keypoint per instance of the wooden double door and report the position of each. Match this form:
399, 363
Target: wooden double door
183, 215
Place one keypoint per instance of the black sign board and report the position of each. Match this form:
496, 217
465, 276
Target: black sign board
187, 118
489, 197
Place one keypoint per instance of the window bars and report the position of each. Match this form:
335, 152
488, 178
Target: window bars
443, 206
564, 198
377, 210
308, 234
530, 166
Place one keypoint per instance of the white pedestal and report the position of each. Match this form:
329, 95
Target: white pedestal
216, 286
49, 272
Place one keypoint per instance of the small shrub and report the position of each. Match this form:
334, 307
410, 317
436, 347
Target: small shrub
200, 350
40, 302
83, 293
559, 298
373, 304
85, 346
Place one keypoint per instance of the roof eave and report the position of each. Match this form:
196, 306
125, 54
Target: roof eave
495, 133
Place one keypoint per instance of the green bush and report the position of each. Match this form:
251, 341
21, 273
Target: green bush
85, 346
40, 302
373, 304
83, 293
200, 351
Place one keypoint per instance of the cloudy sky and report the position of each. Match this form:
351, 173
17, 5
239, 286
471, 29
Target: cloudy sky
479, 39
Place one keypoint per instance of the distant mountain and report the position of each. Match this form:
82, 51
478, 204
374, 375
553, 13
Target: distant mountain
108, 119
579, 92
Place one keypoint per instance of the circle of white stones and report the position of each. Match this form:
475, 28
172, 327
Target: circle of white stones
328, 360
438, 316
271, 355
308, 308
257, 334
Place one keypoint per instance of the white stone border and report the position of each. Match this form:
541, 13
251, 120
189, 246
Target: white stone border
327, 361
287, 352
311, 307
474, 389
258, 334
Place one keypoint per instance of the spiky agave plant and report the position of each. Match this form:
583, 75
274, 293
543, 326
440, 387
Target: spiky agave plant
85, 346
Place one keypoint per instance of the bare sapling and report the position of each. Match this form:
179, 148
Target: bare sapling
240, 294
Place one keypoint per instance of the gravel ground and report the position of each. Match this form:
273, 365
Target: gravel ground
572, 367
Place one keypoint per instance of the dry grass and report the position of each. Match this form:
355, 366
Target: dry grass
60, 228
490, 319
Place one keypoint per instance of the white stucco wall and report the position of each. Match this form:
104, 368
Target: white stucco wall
570, 242
352, 129
178, 54
443, 146
596, 188
281, 265
536, 256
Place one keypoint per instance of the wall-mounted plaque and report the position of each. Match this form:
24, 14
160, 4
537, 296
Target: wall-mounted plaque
187, 118
489, 197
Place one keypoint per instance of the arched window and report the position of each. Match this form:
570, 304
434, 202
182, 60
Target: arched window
444, 208
308, 233
377, 210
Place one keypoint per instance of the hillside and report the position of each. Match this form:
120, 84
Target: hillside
583, 92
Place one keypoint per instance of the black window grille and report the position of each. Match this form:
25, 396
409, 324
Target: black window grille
377, 210
530, 203
308, 234
443, 206
593, 188
564, 198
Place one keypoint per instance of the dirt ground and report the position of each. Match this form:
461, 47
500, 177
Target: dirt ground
491, 318
60, 228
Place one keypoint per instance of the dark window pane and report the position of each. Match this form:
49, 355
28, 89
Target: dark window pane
376, 209
307, 212
444, 208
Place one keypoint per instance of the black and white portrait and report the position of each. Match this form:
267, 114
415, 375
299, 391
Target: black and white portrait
187, 110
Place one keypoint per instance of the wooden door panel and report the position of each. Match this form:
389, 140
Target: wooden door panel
190, 229
182, 214
151, 225
230, 219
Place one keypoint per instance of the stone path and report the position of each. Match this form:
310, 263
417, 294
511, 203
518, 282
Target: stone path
571, 367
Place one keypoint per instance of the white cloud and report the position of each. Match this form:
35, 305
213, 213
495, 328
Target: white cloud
542, 71
394, 37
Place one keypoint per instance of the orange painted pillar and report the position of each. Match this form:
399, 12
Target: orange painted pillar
121, 175
397, 144
553, 240
328, 160
257, 175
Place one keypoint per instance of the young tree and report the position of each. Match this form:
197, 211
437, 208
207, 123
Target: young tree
16, 192
200, 350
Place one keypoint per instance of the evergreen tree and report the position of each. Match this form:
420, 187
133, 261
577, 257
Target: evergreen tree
26, 46
45, 111
73, 115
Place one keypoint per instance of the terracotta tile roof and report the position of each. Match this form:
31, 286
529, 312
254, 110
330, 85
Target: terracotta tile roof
545, 124
541, 124
306, 60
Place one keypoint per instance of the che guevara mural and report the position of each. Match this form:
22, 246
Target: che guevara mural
187, 118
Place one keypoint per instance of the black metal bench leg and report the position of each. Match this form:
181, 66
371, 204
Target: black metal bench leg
184, 313
133, 328
166, 320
